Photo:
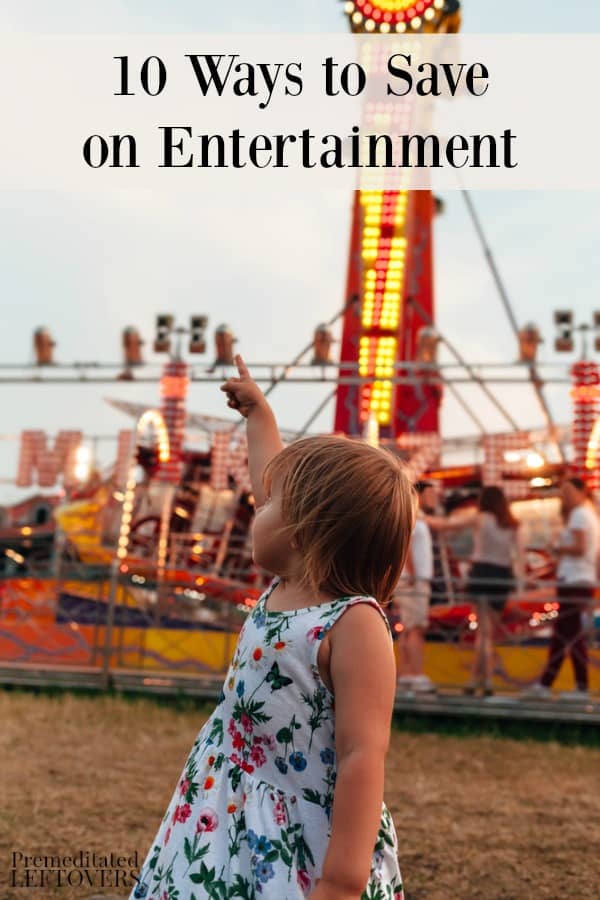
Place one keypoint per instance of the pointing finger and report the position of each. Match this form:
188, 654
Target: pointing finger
242, 367
231, 384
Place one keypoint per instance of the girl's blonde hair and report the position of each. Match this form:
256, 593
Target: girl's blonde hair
350, 509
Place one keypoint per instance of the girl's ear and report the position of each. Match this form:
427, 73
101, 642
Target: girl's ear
293, 544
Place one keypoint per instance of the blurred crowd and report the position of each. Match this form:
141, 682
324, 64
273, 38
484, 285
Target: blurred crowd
497, 569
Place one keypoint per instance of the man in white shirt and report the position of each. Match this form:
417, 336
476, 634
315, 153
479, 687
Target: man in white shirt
577, 552
411, 600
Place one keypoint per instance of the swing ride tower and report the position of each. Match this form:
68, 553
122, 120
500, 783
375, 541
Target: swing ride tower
390, 274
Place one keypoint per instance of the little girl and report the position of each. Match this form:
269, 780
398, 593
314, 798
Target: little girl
282, 794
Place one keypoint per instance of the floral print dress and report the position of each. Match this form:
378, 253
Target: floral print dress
251, 814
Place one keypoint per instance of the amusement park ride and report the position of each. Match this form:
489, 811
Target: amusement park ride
174, 592
391, 271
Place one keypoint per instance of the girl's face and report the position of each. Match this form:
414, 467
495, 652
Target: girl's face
272, 549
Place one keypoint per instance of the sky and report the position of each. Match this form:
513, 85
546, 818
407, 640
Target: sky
87, 265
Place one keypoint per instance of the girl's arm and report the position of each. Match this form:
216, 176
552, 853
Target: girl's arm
264, 441
454, 522
363, 674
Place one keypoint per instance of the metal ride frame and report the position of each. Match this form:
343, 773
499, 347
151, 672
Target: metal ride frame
279, 372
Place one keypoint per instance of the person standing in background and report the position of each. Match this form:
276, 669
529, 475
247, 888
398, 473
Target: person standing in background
412, 597
498, 555
429, 505
577, 552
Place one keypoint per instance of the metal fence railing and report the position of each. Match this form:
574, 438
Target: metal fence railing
107, 619
503, 636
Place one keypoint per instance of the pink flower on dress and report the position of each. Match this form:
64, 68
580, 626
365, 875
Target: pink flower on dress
238, 741
167, 836
303, 880
238, 761
246, 723
208, 820
182, 813
314, 634
183, 786
231, 729
257, 755
279, 813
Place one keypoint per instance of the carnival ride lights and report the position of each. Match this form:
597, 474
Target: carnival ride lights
83, 463
585, 393
538, 482
385, 16
586, 427
383, 256
531, 458
391, 236
593, 449
535, 460
168, 425
153, 418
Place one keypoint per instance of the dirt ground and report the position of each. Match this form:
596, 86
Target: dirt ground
478, 818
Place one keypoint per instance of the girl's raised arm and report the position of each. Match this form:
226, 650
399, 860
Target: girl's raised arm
264, 441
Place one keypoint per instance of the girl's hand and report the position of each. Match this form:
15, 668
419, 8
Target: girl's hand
243, 393
326, 890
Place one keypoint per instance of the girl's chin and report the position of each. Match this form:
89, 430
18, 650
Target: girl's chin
269, 565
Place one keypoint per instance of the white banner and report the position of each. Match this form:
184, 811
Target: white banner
299, 112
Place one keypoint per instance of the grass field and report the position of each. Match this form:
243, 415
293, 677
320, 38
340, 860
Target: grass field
478, 817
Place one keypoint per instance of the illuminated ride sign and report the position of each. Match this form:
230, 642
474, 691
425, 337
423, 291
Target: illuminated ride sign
586, 430
43, 463
398, 16
391, 259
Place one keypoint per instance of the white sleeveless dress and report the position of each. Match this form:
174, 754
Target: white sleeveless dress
250, 816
